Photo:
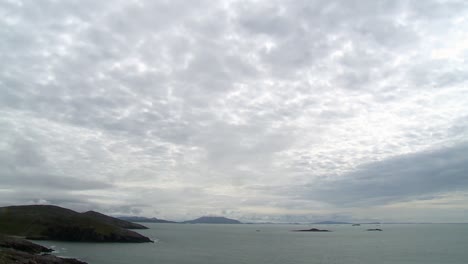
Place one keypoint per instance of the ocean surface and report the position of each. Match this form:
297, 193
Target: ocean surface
271, 244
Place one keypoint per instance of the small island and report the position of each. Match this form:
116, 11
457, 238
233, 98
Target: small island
312, 230
374, 229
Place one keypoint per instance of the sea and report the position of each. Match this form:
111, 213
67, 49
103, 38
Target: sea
277, 244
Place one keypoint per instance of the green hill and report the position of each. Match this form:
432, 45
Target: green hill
47, 222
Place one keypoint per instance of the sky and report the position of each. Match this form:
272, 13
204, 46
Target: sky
278, 111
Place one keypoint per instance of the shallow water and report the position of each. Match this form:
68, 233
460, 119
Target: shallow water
257, 244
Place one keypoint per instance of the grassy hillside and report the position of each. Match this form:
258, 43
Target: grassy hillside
55, 223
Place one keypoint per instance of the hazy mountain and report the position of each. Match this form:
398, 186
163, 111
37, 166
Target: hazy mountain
212, 220
144, 219
115, 221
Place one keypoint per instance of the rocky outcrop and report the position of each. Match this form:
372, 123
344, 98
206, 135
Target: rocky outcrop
312, 230
17, 250
21, 245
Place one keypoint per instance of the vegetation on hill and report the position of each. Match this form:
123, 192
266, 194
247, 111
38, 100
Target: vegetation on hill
47, 222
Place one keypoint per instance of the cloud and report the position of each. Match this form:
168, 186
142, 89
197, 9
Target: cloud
402, 178
133, 103
43, 181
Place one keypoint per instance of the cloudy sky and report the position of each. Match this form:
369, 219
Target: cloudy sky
255, 110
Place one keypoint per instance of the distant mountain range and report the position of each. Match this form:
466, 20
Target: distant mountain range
141, 219
219, 220
212, 220
115, 221
200, 220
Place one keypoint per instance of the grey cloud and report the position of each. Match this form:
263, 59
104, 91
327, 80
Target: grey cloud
406, 177
25, 165
51, 182
74, 201
207, 96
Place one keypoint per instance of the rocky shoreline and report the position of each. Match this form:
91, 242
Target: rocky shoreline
18, 250
18, 224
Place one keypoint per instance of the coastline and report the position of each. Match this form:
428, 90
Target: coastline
19, 250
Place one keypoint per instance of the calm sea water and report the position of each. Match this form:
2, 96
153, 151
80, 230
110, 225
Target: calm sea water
270, 244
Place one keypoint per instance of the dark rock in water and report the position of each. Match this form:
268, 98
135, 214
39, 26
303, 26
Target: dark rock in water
312, 230
17, 250
356, 225
374, 229
10, 256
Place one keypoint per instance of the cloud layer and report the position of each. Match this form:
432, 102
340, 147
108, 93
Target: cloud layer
259, 110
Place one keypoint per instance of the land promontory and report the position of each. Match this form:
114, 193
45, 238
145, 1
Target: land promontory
17, 250
48, 222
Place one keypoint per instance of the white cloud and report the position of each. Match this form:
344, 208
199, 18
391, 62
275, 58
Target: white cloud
185, 108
